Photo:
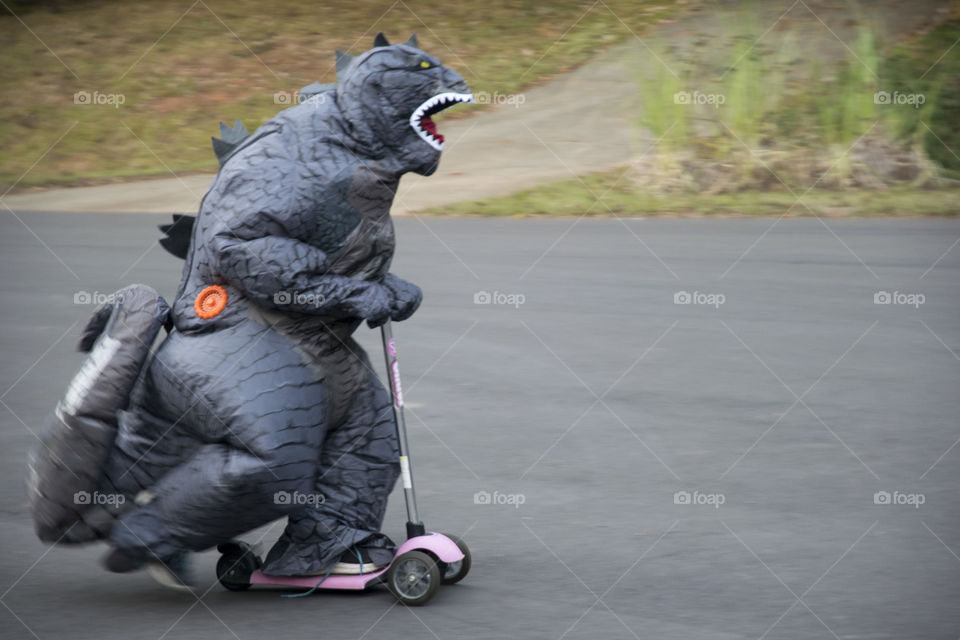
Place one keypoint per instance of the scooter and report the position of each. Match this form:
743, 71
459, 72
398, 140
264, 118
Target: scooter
420, 565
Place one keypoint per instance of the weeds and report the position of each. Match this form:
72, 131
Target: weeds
787, 121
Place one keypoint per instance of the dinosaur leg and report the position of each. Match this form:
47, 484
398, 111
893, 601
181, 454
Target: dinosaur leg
155, 435
245, 421
358, 469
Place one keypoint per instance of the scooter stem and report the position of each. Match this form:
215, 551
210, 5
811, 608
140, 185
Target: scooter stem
414, 526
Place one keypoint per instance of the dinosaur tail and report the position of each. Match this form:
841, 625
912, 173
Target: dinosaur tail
65, 470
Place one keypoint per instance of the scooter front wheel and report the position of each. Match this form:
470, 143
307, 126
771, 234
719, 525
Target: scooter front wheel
454, 572
414, 578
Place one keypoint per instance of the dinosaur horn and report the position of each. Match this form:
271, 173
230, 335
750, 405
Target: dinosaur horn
343, 61
381, 40
413, 41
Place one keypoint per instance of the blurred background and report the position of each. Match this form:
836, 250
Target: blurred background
658, 106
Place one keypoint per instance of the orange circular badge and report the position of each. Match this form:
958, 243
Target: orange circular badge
210, 302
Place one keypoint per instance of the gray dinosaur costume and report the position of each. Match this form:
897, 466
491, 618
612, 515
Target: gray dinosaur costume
247, 405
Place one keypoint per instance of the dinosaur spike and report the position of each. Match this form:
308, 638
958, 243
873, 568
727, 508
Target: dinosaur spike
316, 88
177, 235
233, 134
221, 149
343, 61
381, 40
239, 131
413, 41
230, 139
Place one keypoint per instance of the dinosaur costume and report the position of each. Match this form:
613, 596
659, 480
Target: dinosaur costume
259, 394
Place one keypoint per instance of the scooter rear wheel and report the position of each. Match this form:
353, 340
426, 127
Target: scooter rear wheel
414, 578
236, 565
454, 572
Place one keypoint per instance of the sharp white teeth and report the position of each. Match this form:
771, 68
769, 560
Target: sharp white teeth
441, 99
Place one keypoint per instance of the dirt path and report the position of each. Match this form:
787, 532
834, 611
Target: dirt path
581, 122
564, 126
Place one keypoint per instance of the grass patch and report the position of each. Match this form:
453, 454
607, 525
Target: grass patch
613, 194
929, 65
182, 73
743, 113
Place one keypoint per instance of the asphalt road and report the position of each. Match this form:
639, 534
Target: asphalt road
782, 400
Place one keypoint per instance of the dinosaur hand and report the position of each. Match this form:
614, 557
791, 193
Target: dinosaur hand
377, 306
406, 297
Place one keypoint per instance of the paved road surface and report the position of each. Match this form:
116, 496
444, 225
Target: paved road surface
594, 402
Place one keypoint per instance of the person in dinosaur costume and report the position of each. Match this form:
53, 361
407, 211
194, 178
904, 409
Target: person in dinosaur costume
259, 393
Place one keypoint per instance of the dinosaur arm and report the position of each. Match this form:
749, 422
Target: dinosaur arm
256, 228
290, 275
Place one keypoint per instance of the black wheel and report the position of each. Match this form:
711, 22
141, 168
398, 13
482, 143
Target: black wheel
454, 572
414, 577
235, 565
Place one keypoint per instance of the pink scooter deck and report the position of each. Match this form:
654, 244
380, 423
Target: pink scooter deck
436, 543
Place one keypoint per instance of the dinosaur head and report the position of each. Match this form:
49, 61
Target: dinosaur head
388, 95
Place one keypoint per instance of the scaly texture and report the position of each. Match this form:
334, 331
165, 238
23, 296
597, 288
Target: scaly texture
272, 397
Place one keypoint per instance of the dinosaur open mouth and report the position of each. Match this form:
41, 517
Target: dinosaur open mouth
422, 123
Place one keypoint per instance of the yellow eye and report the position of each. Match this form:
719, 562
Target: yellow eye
424, 65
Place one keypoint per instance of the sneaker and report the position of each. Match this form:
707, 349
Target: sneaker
354, 561
173, 573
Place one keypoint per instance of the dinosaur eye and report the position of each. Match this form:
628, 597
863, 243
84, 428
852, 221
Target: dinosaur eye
424, 64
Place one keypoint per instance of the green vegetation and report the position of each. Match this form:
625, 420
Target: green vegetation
180, 73
769, 114
783, 117
930, 65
